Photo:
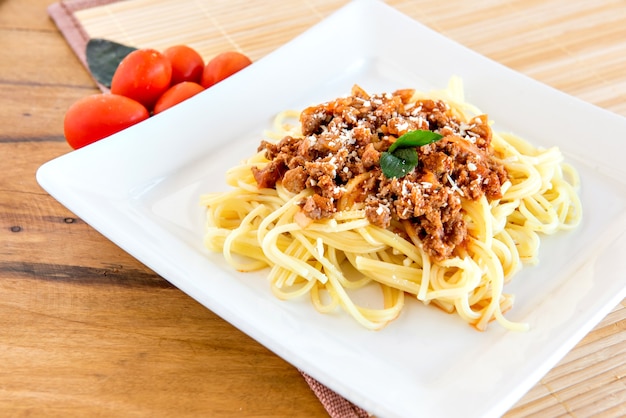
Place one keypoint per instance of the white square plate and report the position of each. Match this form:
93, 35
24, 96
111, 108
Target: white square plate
141, 187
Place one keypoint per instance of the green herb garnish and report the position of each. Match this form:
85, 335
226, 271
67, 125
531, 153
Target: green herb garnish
401, 157
398, 163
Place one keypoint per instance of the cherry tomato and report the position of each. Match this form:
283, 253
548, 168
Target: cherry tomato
187, 64
222, 66
143, 75
100, 115
176, 94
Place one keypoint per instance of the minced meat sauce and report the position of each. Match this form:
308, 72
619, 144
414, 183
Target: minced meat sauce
342, 141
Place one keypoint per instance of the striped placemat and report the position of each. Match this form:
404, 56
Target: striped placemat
578, 47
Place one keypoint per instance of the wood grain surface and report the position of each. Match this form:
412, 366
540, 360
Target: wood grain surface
86, 330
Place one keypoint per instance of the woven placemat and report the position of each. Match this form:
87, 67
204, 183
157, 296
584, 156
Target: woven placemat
62, 13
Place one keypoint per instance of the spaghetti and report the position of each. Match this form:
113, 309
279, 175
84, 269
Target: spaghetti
314, 207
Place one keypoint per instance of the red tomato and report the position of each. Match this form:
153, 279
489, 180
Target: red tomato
222, 66
176, 94
187, 64
143, 75
100, 115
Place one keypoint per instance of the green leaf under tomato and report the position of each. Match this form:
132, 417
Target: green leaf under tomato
103, 57
398, 163
415, 138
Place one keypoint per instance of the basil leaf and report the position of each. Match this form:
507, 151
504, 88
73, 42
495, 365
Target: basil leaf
415, 139
399, 162
103, 57
401, 157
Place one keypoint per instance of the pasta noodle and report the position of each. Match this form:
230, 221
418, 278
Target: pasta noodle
333, 258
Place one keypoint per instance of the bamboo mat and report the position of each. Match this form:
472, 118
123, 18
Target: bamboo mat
578, 47
545, 39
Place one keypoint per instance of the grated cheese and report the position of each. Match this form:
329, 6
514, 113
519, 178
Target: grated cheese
454, 186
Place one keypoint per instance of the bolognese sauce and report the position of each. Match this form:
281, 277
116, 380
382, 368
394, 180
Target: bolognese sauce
338, 159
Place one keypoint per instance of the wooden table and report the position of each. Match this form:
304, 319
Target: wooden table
86, 330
